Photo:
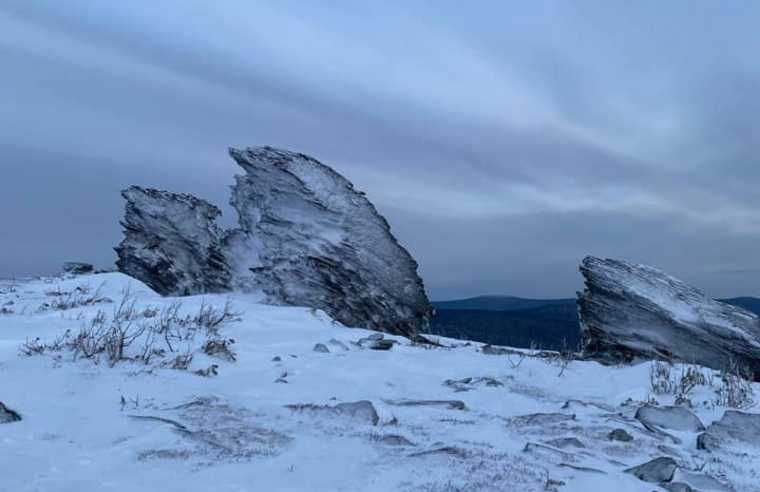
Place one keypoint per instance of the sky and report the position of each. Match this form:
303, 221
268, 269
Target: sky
503, 141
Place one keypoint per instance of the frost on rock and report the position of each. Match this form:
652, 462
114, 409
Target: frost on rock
172, 243
324, 245
629, 311
306, 237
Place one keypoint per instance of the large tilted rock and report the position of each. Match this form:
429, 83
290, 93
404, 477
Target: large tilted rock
632, 311
306, 238
323, 244
172, 243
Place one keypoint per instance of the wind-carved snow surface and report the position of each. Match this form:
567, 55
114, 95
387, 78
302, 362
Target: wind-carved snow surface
630, 311
306, 237
280, 416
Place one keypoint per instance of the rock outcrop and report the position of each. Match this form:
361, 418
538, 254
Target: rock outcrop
323, 244
172, 243
306, 237
632, 311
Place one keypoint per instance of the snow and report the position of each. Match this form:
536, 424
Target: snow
78, 435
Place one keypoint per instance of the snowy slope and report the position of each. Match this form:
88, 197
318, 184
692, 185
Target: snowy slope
178, 431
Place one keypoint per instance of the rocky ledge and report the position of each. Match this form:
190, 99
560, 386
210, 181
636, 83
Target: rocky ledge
306, 237
630, 311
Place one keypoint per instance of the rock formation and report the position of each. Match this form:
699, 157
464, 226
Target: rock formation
632, 311
306, 237
323, 244
77, 268
7, 415
172, 243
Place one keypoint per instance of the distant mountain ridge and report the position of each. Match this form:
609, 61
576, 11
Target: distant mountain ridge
522, 322
498, 303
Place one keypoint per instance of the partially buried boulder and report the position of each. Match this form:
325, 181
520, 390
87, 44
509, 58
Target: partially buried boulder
673, 418
7, 415
733, 427
656, 471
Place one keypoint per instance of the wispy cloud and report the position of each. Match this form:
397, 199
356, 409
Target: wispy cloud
488, 134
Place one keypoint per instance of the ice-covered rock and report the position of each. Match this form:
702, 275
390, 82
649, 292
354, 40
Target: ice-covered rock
619, 435
734, 426
669, 417
172, 243
306, 237
655, 471
323, 244
629, 311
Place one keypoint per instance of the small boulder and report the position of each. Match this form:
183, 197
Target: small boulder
395, 440
381, 344
7, 415
566, 442
733, 426
322, 348
674, 418
376, 341
77, 268
656, 471
360, 410
450, 404
677, 487
339, 344
619, 435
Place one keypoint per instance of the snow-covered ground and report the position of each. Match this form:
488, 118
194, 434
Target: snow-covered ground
272, 419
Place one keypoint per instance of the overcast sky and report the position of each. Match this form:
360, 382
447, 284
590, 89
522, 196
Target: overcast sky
503, 141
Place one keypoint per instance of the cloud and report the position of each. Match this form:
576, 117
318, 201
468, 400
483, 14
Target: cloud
521, 136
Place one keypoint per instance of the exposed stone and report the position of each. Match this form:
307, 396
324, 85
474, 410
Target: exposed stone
619, 435
677, 487
566, 442
339, 344
698, 481
172, 243
77, 268
674, 418
395, 440
541, 419
381, 344
363, 410
450, 404
632, 311
7, 415
324, 245
733, 426
656, 471
321, 347
306, 237
449, 451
